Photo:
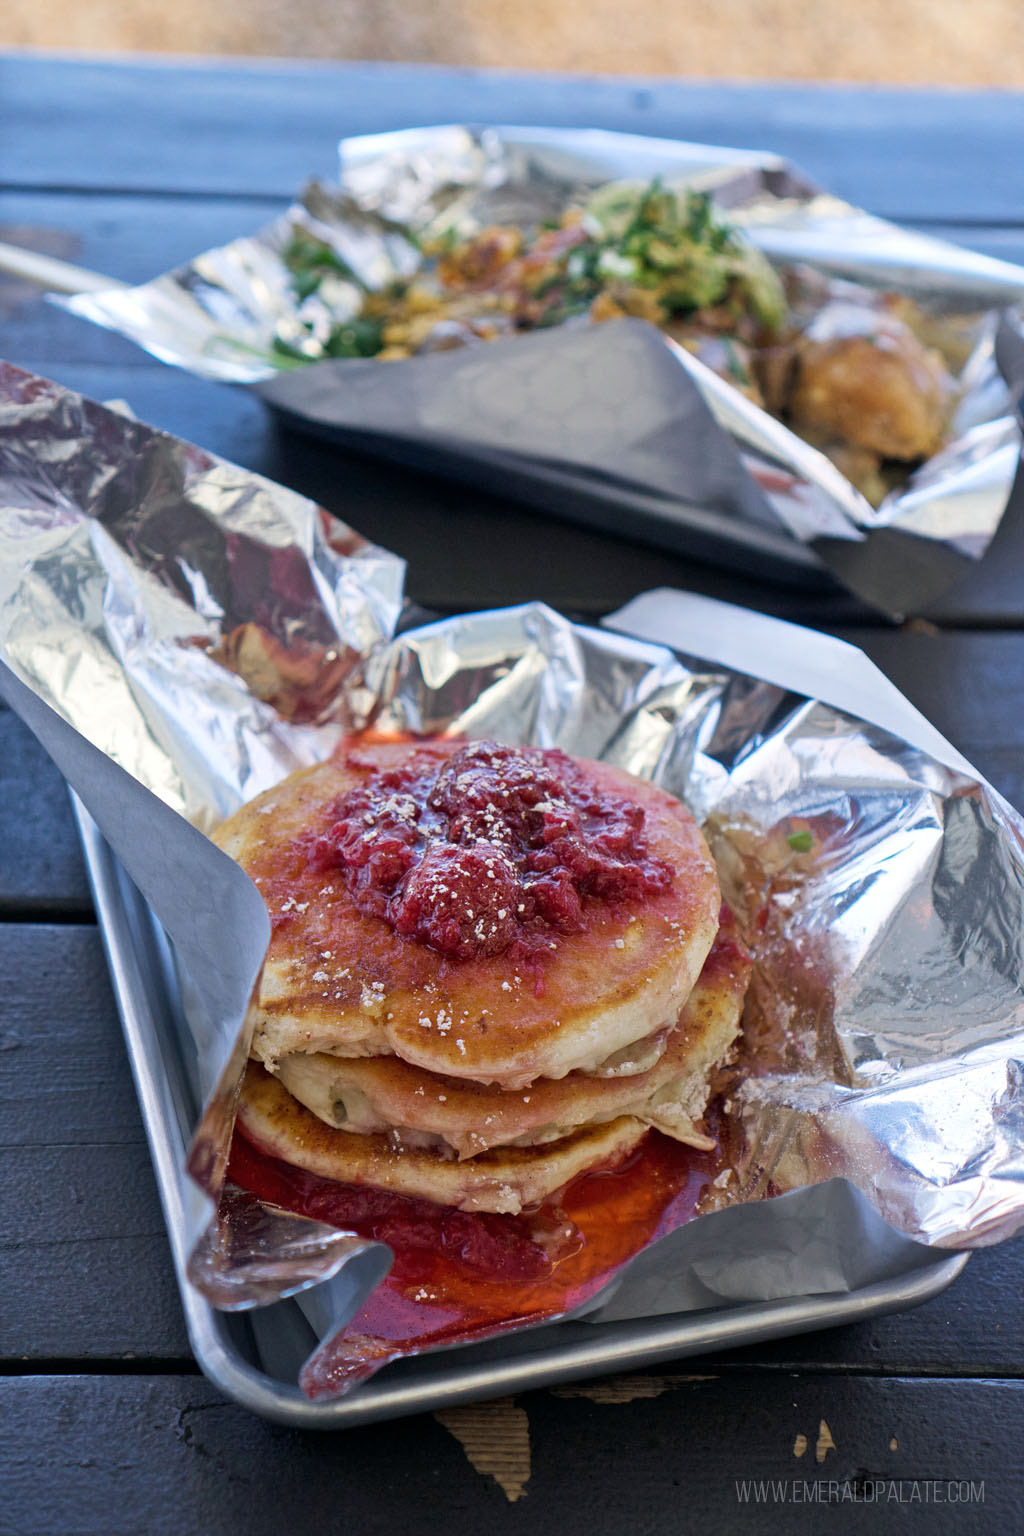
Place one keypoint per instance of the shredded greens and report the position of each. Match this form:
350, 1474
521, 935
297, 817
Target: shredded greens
309, 261
653, 251
675, 243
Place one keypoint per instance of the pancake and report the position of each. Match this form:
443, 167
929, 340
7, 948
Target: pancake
572, 987
460, 1118
503, 1180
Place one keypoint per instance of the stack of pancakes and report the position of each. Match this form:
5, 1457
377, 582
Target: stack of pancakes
486, 1077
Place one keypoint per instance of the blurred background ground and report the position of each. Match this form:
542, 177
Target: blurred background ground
980, 43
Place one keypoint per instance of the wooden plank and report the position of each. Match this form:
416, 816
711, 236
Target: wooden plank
965, 1331
41, 867
114, 1456
1006, 243
220, 418
88, 1268
588, 573
968, 684
132, 238
100, 234
136, 238
66, 1081
159, 125
96, 1204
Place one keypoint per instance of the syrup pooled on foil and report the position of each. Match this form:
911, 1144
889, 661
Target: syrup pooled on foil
460, 1276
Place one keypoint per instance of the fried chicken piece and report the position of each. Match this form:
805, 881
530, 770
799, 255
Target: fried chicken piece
863, 377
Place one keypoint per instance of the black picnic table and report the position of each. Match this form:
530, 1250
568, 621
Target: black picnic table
913, 1421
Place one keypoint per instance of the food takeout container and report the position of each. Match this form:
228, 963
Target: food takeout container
888, 1110
254, 1358
614, 424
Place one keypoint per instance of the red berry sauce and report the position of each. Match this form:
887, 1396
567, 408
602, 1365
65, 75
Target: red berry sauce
491, 850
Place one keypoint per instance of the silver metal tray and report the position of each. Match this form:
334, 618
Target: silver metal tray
254, 1357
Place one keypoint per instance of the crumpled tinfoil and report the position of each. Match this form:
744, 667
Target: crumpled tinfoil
200, 624
613, 424
877, 879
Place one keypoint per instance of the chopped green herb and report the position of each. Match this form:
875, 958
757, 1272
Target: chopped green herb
310, 260
681, 248
800, 842
359, 337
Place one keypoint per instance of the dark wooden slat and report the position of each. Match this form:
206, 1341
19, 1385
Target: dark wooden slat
130, 239
133, 238
223, 419
109, 1457
33, 328
87, 1267
261, 127
1007, 244
59, 1012
989, 591
41, 867
457, 570
970, 1330
466, 547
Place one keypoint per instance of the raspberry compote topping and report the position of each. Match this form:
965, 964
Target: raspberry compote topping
492, 848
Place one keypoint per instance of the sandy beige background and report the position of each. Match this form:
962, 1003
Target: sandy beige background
965, 42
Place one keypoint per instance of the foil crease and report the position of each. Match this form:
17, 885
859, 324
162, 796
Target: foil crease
878, 880
630, 421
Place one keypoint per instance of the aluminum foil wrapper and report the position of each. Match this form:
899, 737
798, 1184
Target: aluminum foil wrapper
877, 879
885, 1024
613, 424
198, 623
181, 634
